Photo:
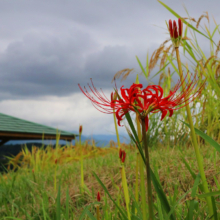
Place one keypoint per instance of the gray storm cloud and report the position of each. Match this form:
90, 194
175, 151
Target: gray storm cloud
48, 47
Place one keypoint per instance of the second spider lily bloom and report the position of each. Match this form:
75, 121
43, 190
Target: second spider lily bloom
144, 101
176, 33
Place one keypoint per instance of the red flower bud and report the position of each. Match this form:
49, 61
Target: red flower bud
175, 32
113, 98
80, 129
120, 153
171, 28
98, 197
55, 161
123, 157
180, 24
112, 94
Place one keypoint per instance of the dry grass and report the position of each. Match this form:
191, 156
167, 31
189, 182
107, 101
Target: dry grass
206, 15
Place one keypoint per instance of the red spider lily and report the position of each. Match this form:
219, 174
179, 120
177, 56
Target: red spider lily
144, 101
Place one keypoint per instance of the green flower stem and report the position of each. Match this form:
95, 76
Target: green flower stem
193, 136
97, 212
81, 162
141, 167
149, 189
136, 179
116, 130
125, 187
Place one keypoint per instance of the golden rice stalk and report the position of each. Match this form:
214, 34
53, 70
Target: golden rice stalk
190, 18
207, 61
207, 15
124, 73
217, 49
217, 71
203, 110
155, 57
213, 63
201, 17
163, 59
172, 52
161, 78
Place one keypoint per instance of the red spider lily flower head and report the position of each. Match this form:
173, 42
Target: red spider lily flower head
98, 197
80, 129
144, 101
176, 33
122, 155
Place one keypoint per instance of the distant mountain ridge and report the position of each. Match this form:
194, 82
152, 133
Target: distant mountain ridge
100, 140
14, 147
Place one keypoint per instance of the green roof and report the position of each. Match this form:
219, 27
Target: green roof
17, 125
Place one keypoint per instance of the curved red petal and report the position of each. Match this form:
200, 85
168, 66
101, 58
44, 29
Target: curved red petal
164, 113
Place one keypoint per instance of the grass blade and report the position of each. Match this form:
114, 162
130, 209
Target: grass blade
103, 186
205, 137
192, 202
142, 68
58, 214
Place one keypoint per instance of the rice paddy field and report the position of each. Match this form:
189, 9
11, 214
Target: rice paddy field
30, 192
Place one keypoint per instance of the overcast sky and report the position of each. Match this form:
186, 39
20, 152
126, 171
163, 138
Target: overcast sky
47, 47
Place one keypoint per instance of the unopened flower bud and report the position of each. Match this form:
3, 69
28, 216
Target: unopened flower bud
123, 157
98, 197
80, 129
180, 25
171, 28
120, 153
175, 32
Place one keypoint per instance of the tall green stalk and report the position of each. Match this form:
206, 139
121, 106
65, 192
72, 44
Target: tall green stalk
194, 140
125, 187
136, 179
116, 130
149, 189
81, 159
141, 168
